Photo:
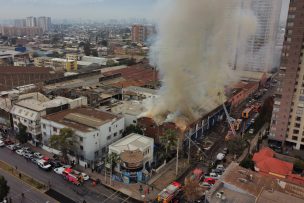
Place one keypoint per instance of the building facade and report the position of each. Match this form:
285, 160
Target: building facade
31, 21
287, 122
95, 130
44, 23
141, 33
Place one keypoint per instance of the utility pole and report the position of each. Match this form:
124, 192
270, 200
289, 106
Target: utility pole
176, 169
189, 152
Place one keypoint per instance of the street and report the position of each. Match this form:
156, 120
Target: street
17, 187
77, 194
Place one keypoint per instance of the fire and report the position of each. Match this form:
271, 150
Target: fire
181, 124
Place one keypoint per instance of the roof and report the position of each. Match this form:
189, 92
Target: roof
61, 60
82, 119
266, 163
15, 69
252, 75
268, 196
132, 156
265, 152
134, 108
132, 142
253, 183
140, 89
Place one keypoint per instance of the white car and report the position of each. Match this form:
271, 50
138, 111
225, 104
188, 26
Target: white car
251, 131
44, 164
85, 176
213, 175
38, 155
220, 167
60, 170
11, 147
220, 156
1, 143
20, 152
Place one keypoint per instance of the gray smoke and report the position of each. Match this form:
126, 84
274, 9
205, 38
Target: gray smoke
195, 52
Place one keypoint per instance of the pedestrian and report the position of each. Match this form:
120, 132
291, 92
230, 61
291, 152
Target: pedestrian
22, 195
20, 175
148, 190
10, 200
16, 167
152, 187
92, 169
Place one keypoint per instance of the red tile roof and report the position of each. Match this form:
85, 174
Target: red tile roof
265, 152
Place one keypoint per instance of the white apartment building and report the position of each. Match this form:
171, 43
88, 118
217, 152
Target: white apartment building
29, 110
130, 110
134, 142
95, 130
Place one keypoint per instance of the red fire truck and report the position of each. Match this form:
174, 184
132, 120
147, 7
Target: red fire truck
169, 192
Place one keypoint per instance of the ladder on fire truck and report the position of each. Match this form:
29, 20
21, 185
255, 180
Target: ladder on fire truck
227, 114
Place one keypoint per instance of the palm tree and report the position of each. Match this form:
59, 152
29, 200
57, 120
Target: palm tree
112, 159
66, 142
169, 141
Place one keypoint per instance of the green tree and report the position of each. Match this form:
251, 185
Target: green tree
298, 166
132, 129
247, 163
22, 134
66, 142
4, 188
112, 160
169, 141
94, 53
192, 189
110, 63
236, 146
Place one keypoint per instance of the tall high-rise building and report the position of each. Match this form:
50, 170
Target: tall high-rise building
44, 23
31, 21
20, 23
287, 123
260, 49
141, 33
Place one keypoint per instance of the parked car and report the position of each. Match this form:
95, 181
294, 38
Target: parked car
20, 152
85, 176
213, 175
34, 160
251, 131
220, 156
2, 143
60, 170
28, 155
11, 147
55, 163
38, 155
44, 165
225, 150
220, 167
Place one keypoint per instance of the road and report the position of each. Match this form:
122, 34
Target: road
17, 187
78, 194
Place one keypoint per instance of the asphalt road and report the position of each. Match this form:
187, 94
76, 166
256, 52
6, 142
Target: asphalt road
77, 194
17, 187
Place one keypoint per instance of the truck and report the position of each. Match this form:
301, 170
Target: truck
168, 194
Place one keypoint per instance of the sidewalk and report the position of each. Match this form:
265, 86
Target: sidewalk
166, 177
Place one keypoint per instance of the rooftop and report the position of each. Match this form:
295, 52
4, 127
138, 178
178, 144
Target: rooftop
140, 89
82, 119
251, 183
132, 142
134, 108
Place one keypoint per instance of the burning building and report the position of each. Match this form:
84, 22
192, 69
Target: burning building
195, 129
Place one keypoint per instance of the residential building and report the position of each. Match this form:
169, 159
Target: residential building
141, 33
95, 130
131, 165
287, 122
130, 110
239, 185
74, 57
20, 31
20, 23
43, 61
44, 23
30, 108
31, 21
59, 64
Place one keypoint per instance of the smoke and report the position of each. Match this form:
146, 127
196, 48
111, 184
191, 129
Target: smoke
194, 51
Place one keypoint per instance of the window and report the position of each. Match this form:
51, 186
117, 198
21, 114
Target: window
294, 138
295, 131
54, 129
96, 153
302, 140
109, 129
81, 147
120, 132
80, 139
134, 121
115, 134
43, 126
109, 137
297, 125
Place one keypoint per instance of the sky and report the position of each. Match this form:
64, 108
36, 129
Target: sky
76, 9
83, 9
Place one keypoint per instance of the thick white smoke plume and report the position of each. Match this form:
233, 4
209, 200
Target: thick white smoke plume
195, 52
